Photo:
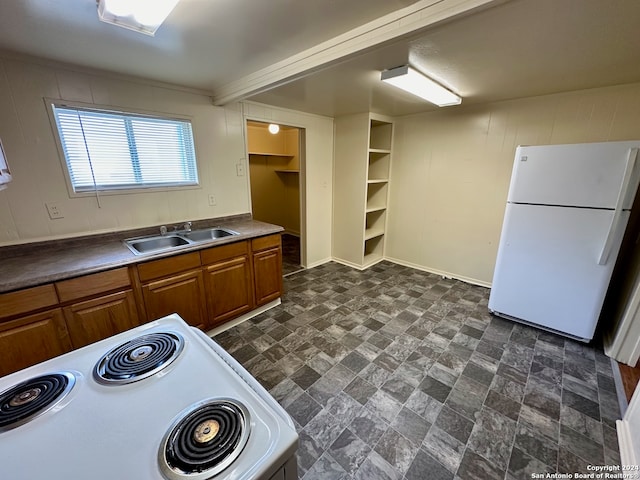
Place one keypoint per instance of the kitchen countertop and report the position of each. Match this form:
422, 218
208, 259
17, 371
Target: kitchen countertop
38, 263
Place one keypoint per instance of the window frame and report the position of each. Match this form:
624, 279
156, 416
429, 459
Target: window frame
51, 102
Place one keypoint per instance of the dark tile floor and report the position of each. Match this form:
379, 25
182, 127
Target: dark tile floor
290, 254
393, 373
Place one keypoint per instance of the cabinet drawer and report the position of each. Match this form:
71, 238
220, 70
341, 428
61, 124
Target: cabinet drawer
27, 300
168, 266
212, 255
95, 284
262, 243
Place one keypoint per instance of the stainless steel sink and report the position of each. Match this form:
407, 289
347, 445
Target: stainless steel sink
155, 243
161, 243
208, 234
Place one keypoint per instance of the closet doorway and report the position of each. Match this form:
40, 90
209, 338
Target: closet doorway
274, 173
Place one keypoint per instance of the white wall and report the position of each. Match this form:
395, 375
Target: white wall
451, 170
316, 174
38, 175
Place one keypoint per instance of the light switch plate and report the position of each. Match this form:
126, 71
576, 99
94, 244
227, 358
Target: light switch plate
240, 169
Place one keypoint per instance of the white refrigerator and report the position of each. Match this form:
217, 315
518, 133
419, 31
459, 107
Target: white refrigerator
567, 210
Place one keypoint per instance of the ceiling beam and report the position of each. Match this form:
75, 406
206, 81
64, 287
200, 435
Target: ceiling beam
403, 22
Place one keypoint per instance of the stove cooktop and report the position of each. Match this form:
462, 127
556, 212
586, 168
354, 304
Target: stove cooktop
114, 422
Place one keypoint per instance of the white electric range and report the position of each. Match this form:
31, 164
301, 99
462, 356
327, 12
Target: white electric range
160, 401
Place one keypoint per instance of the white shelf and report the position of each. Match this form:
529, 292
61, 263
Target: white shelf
373, 250
379, 150
369, 234
378, 180
271, 154
376, 209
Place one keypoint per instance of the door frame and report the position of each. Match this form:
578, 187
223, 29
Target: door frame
301, 176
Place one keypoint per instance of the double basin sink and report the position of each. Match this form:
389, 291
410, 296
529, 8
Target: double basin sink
170, 241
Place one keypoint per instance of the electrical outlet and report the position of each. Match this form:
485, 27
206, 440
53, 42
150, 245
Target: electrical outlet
212, 200
240, 169
55, 210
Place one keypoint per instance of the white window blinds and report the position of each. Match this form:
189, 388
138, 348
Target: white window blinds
115, 150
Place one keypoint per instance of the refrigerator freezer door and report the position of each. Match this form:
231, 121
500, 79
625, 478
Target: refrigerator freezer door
547, 271
585, 175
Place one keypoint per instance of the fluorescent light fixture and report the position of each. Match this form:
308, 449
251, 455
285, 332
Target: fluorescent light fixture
274, 128
416, 83
144, 16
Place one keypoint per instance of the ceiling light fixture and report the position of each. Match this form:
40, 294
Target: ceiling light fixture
274, 128
414, 82
144, 16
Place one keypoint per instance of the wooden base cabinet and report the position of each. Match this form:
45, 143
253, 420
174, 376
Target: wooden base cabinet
228, 281
96, 319
182, 294
206, 288
98, 306
32, 339
267, 268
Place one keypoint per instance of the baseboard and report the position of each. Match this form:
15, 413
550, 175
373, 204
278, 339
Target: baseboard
626, 427
617, 380
244, 318
442, 273
348, 263
317, 263
625, 442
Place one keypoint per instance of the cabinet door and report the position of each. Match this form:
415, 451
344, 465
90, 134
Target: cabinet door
182, 294
33, 339
100, 318
229, 288
267, 270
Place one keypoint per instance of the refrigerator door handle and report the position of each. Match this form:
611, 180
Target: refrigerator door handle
622, 194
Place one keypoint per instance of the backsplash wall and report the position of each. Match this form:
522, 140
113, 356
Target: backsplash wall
38, 175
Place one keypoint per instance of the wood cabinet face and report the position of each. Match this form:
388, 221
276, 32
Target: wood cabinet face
229, 288
32, 339
21, 302
205, 288
267, 268
93, 320
182, 294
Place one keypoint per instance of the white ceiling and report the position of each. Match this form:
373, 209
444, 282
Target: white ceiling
514, 49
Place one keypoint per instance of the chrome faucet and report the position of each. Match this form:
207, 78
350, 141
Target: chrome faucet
185, 227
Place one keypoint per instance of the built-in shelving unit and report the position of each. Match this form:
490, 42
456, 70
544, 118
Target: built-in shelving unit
378, 162
363, 154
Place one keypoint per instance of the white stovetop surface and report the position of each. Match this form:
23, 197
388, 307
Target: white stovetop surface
114, 431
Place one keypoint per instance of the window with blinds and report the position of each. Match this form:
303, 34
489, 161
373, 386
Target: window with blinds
107, 150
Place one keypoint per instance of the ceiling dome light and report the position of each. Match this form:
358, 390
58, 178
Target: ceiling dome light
274, 128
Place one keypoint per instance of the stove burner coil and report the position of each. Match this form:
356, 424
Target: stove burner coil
205, 440
139, 358
32, 398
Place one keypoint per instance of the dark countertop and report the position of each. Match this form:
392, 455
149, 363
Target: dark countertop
38, 263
